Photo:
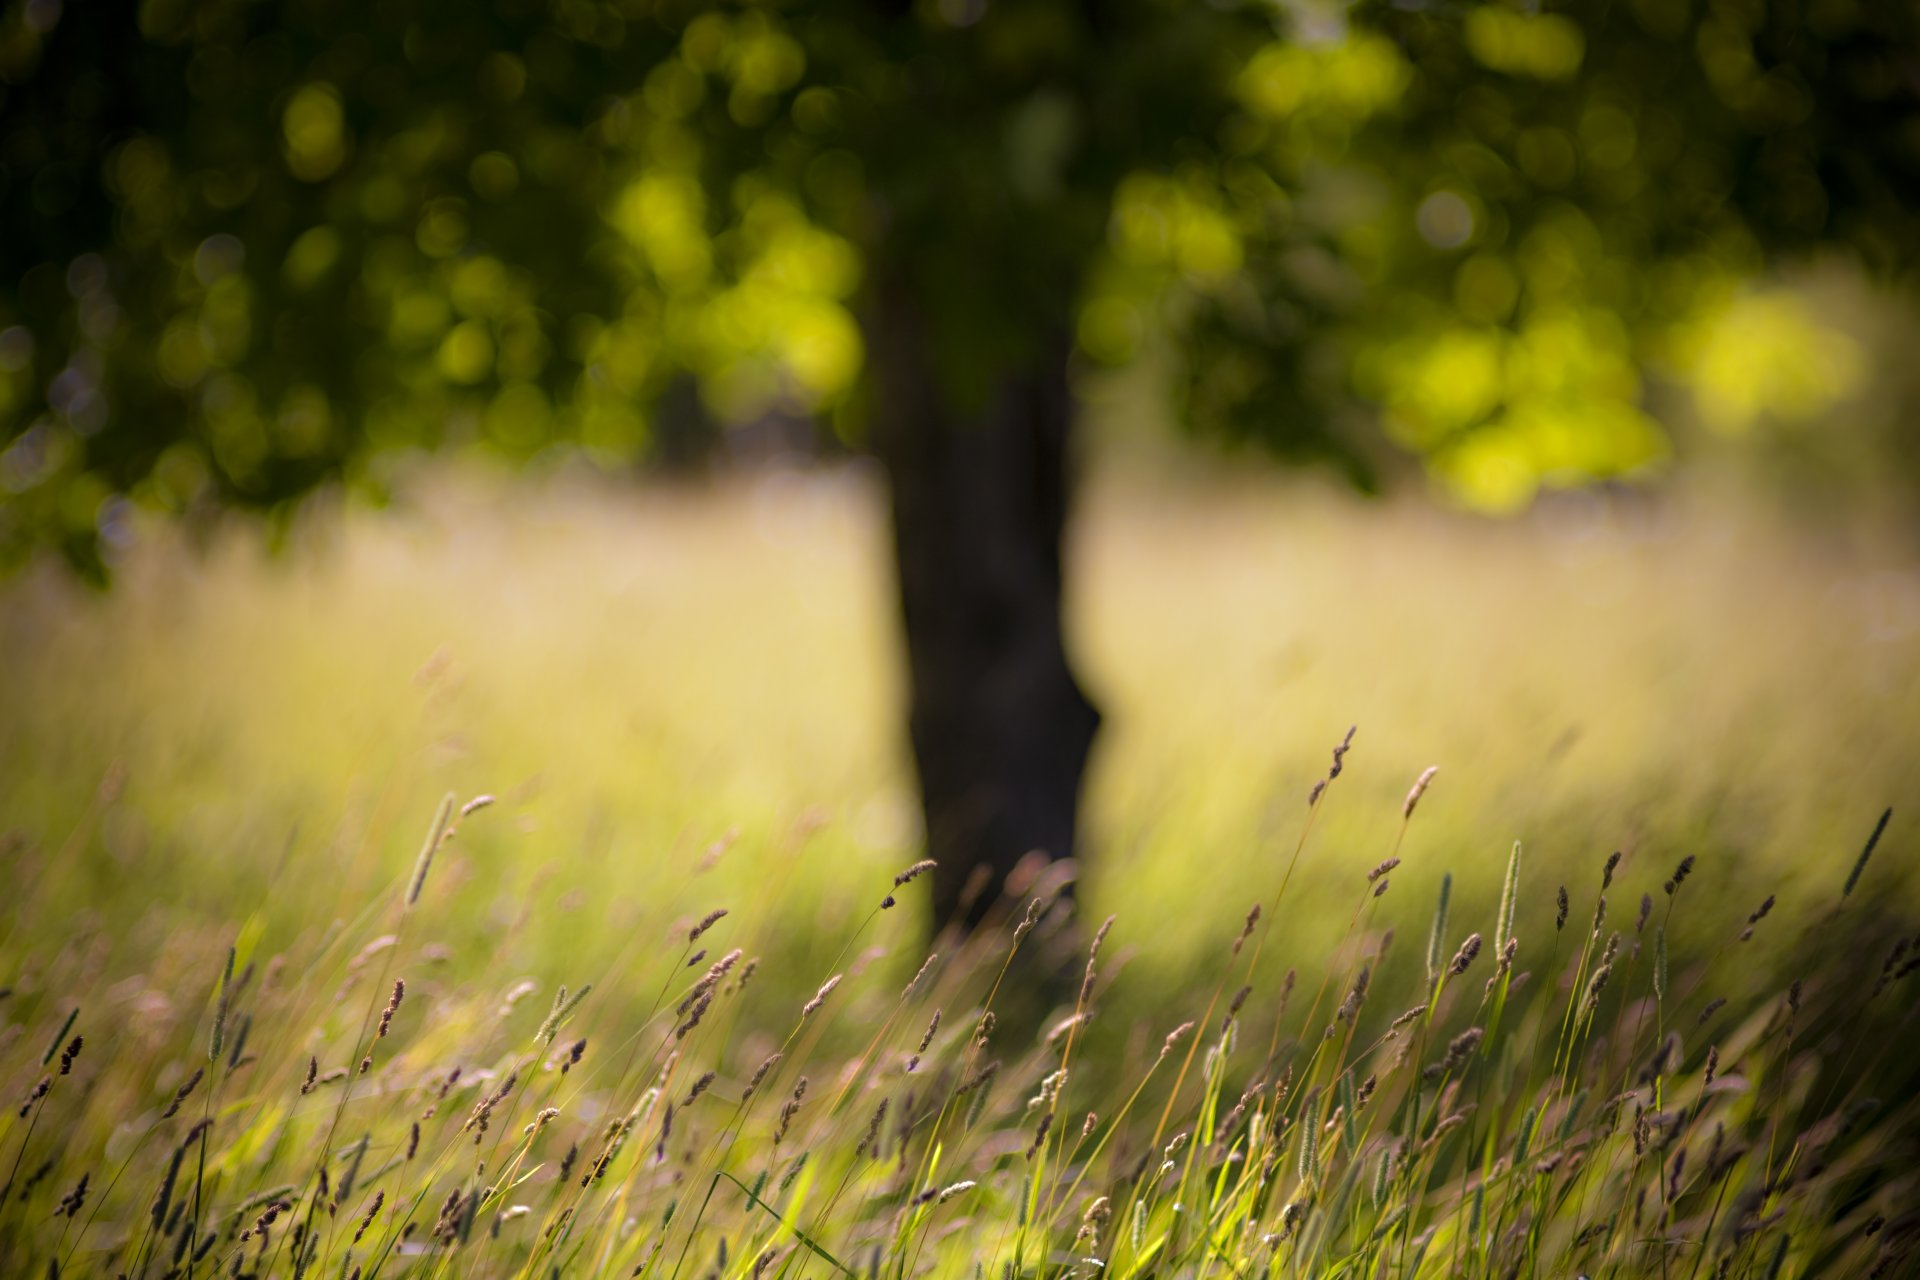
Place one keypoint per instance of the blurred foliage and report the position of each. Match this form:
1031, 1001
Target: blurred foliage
250, 248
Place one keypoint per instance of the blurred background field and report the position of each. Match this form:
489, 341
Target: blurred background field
645, 676
796, 321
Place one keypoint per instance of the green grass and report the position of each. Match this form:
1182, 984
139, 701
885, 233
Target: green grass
681, 703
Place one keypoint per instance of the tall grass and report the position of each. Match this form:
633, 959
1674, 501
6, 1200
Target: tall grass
356, 1105
314, 1022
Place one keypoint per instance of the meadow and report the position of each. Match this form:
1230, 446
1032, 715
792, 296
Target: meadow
494, 887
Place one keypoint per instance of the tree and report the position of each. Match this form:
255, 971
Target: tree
251, 249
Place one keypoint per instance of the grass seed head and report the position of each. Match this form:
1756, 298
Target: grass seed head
789, 1109
393, 1006
1027, 921
701, 1004
71, 1203
1173, 1038
1680, 874
379, 1198
1464, 957
1340, 753
706, 922
933, 1025
871, 1142
1246, 930
919, 868
926, 967
1420, 785
1350, 1007
760, 1073
1461, 1047
180, 1095
1040, 1135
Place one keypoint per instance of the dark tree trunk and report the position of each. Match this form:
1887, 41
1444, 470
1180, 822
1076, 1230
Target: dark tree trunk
1000, 728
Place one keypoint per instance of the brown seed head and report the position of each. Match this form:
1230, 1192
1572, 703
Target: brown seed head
1173, 1037
872, 1139
820, 997
1355, 995
180, 1095
393, 1006
1420, 785
1680, 873
919, 977
1340, 753
701, 1004
379, 1198
760, 1073
1040, 1134
789, 1109
1027, 921
917, 869
1246, 930
1464, 956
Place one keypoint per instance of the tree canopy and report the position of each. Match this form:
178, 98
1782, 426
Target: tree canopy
249, 248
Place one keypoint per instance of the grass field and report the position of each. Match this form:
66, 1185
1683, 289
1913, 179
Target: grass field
215, 783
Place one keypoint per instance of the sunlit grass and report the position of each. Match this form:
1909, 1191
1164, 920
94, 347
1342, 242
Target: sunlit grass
683, 702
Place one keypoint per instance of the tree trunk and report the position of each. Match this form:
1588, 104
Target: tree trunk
1000, 728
